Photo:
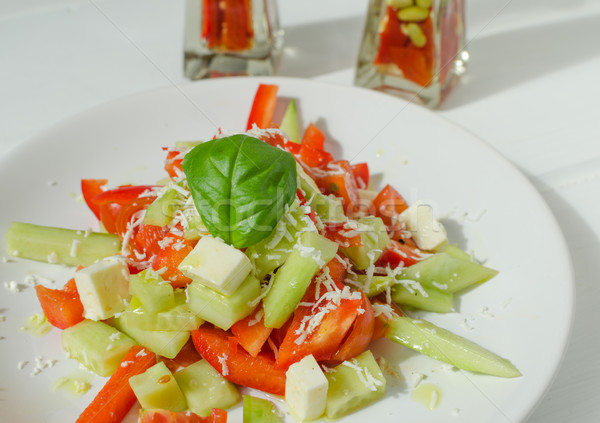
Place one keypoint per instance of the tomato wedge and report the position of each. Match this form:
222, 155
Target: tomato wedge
90, 188
62, 307
360, 335
399, 253
340, 182
313, 137
336, 232
165, 416
263, 106
361, 175
240, 367
331, 316
251, 332
169, 257
388, 204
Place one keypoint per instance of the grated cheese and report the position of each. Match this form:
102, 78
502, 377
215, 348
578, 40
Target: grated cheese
224, 368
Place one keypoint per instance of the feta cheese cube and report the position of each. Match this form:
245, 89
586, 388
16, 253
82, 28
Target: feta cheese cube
103, 288
216, 265
306, 389
427, 232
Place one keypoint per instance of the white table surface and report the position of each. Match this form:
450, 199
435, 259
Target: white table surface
531, 92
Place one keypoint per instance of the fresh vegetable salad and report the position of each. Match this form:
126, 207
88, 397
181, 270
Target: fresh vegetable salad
262, 262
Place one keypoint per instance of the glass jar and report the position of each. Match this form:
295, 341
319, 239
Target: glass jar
413, 48
230, 37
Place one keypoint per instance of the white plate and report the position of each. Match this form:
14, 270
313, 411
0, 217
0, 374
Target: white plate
489, 208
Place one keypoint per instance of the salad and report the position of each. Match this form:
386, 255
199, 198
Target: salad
260, 262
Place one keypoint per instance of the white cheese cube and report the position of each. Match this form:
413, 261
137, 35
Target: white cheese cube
427, 232
216, 265
306, 389
103, 288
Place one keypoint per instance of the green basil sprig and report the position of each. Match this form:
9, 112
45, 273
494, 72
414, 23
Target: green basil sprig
240, 186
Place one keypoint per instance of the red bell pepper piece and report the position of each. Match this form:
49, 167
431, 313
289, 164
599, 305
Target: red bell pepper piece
90, 188
388, 204
336, 232
360, 335
185, 357
263, 106
121, 195
399, 253
361, 175
62, 307
251, 332
241, 368
173, 163
313, 137
211, 22
116, 398
341, 183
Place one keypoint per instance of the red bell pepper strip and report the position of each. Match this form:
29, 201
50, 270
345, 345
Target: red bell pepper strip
211, 22
240, 367
251, 332
62, 307
263, 106
164, 416
236, 31
90, 188
116, 398
360, 335
121, 195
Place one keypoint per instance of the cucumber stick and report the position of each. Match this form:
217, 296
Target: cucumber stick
436, 301
292, 279
59, 245
448, 347
289, 123
260, 410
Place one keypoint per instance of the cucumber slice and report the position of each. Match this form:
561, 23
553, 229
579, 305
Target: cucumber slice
353, 385
204, 388
96, 345
152, 291
164, 343
374, 238
220, 310
448, 347
436, 301
273, 251
289, 284
446, 273
376, 286
162, 210
59, 245
289, 122
259, 410
178, 318
157, 388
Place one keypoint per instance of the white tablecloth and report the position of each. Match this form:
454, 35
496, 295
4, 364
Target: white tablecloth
531, 92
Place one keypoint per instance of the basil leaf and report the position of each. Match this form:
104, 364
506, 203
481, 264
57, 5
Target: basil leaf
240, 186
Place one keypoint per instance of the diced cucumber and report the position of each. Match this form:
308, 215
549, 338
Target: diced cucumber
195, 228
59, 245
162, 210
353, 385
446, 273
153, 292
328, 207
377, 285
289, 284
204, 388
436, 301
157, 388
178, 318
164, 343
448, 347
96, 345
220, 310
289, 122
374, 237
272, 252
260, 410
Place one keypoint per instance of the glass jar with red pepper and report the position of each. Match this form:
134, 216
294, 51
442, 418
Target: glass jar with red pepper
230, 37
413, 48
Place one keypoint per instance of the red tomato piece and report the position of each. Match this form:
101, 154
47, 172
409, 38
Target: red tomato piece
240, 367
116, 397
314, 157
273, 139
251, 332
121, 195
399, 253
361, 175
360, 335
90, 188
313, 137
263, 106
388, 204
382, 321
165, 416
62, 307
340, 182
170, 257
108, 215
332, 316
173, 163
312, 215
336, 232
292, 147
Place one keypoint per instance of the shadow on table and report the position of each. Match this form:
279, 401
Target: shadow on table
321, 47
580, 367
502, 61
